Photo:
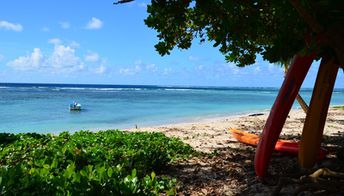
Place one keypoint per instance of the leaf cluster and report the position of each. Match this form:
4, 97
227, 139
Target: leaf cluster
107, 162
241, 29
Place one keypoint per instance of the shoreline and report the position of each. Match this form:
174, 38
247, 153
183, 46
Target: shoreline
204, 118
183, 120
209, 134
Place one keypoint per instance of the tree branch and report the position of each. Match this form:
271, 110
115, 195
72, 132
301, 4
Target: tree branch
315, 26
122, 1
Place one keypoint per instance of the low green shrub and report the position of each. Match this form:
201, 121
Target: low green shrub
86, 163
339, 107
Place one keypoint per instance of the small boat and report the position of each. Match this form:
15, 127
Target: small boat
75, 106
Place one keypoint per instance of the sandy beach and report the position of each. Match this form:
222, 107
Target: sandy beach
207, 135
229, 171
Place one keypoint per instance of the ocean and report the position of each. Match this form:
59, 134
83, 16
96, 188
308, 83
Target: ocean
44, 108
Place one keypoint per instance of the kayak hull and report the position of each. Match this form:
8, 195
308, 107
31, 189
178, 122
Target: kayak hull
280, 110
286, 146
316, 117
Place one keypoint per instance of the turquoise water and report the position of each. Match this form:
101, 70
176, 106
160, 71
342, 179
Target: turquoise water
44, 107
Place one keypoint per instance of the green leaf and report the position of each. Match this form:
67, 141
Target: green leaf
83, 173
153, 175
64, 149
90, 168
54, 164
76, 177
32, 170
110, 172
46, 166
133, 173
69, 170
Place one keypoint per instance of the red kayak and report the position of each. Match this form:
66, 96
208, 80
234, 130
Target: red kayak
285, 146
280, 110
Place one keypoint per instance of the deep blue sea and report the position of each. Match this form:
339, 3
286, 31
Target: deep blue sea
44, 108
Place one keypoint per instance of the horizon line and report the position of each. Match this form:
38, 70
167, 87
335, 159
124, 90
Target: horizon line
148, 85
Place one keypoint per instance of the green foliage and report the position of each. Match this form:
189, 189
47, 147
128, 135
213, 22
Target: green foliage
87, 163
339, 107
241, 29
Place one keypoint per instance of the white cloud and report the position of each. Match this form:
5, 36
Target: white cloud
65, 25
29, 62
92, 57
62, 60
100, 70
74, 44
10, 26
167, 71
1, 57
200, 67
54, 41
271, 67
275, 69
233, 68
256, 70
138, 62
94, 23
130, 71
151, 67
193, 58
144, 5
57, 41
139, 66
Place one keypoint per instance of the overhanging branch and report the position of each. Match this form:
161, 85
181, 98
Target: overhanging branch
122, 1
315, 26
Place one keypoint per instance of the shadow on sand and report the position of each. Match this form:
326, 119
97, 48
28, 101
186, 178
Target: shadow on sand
230, 171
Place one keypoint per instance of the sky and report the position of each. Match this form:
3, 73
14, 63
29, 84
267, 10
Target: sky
96, 42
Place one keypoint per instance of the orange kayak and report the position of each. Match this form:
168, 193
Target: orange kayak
285, 146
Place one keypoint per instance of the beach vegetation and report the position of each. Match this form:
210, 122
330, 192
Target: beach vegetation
89, 163
339, 107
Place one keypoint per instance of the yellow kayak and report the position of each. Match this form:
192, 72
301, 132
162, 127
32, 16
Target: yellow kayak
316, 116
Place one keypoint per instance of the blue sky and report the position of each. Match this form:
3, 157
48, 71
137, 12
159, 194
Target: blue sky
96, 42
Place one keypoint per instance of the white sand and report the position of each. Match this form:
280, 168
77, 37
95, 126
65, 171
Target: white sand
209, 134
